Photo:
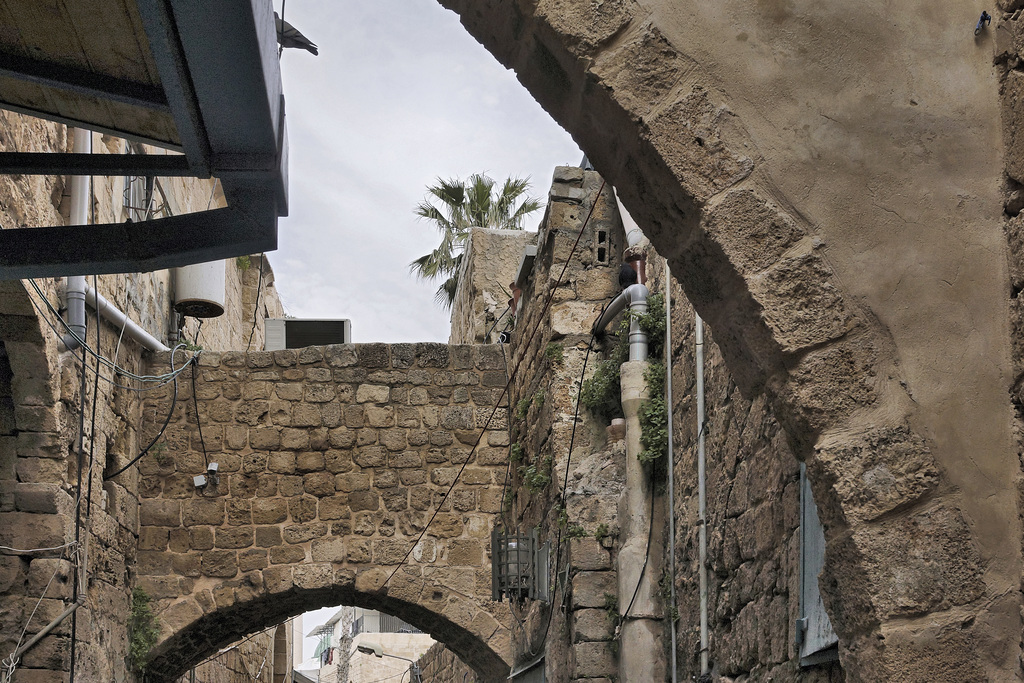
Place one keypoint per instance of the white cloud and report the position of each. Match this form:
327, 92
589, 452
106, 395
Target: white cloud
399, 95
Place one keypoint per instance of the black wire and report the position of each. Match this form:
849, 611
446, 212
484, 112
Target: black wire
565, 485
504, 391
647, 553
259, 283
174, 401
195, 403
495, 324
78, 503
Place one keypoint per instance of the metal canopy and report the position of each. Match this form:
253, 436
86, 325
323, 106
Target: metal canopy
197, 77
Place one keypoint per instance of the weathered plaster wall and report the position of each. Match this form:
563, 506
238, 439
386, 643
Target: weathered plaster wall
488, 267
830, 201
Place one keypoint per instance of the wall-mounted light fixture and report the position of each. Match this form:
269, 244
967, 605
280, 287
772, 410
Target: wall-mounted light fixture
519, 566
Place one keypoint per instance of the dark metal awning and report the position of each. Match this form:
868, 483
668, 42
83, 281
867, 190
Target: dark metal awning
197, 77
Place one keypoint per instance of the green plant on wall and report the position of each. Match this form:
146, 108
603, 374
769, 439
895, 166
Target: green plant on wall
142, 631
555, 353
538, 398
522, 407
602, 393
537, 475
653, 415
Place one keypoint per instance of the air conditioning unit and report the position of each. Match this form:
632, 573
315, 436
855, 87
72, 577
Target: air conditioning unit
295, 333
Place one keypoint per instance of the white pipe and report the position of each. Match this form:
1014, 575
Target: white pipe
74, 291
671, 467
635, 296
702, 497
112, 313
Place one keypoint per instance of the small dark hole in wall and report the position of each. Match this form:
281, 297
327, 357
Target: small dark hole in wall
438, 595
1015, 292
602, 237
601, 255
700, 141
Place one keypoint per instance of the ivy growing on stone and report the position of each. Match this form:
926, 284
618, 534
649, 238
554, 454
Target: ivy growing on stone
602, 393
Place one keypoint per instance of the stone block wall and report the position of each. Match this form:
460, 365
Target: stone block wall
43, 401
753, 519
489, 265
331, 460
440, 665
548, 356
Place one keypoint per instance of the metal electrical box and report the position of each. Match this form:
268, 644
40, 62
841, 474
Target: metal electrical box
296, 333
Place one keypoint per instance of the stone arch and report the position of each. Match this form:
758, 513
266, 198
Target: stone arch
195, 628
331, 461
842, 367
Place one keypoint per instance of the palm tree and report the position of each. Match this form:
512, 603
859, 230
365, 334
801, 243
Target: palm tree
466, 204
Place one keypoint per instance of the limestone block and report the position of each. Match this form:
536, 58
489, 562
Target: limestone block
590, 588
592, 624
334, 507
201, 538
233, 537
319, 484
287, 554
465, 552
239, 512
42, 498
281, 462
405, 459
309, 461
872, 473
939, 566
380, 416
363, 500
50, 575
200, 512
253, 559
267, 536
300, 533
219, 563
432, 355
178, 616
586, 554
311, 354
306, 415
371, 456
595, 659
337, 461
302, 508
328, 550
40, 470
373, 355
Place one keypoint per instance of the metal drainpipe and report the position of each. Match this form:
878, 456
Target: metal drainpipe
702, 497
671, 467
74, 296
77, 289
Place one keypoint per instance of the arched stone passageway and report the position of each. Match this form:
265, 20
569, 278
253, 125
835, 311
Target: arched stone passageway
456, 621
844, 246
331, 461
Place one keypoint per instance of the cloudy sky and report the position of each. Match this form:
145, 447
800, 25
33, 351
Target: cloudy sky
399, 95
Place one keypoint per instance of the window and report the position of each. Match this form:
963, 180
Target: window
818, 642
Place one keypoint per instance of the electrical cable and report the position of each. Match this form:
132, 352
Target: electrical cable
106, 361
504, 391
174, 401
259, 286
195, 403
495, 323
9, 663
78, 493
565, 485
647, 554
